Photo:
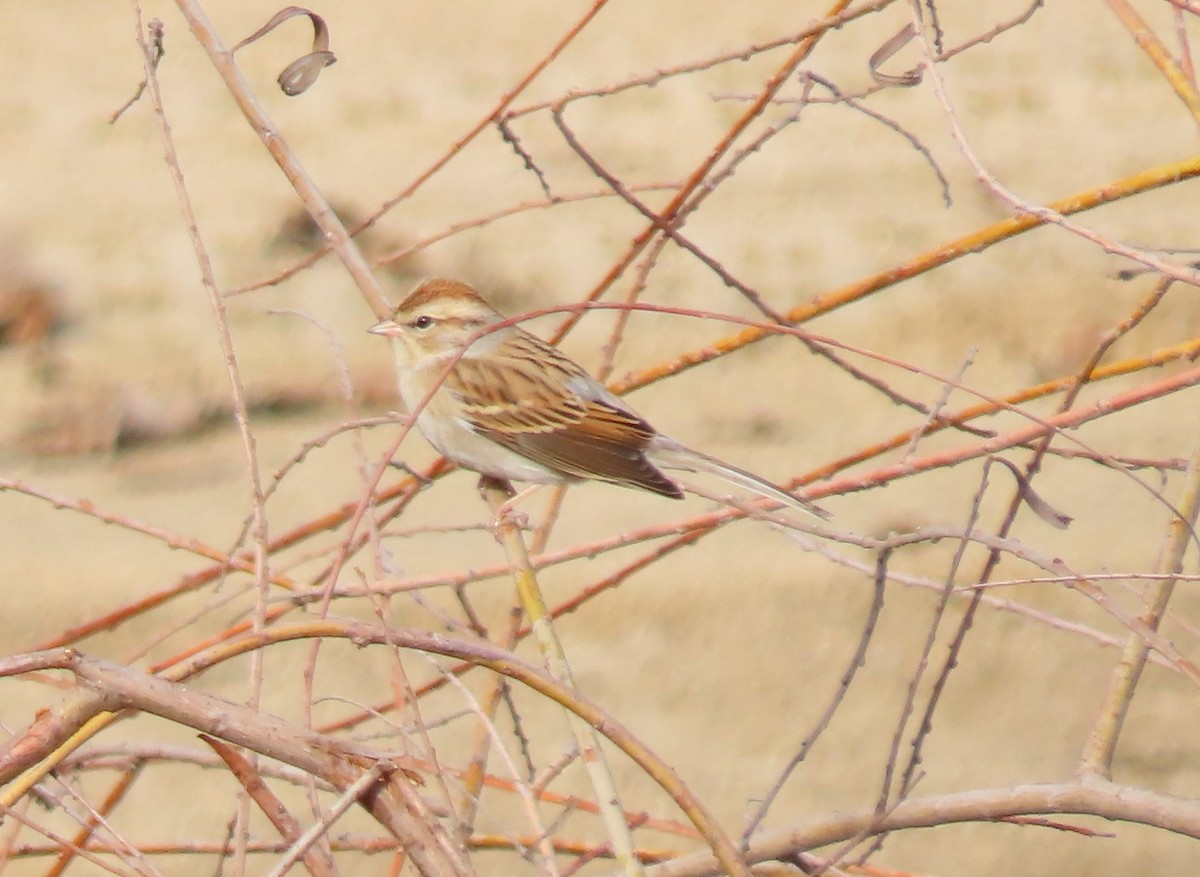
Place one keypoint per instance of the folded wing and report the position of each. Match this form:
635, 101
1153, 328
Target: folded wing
570, 424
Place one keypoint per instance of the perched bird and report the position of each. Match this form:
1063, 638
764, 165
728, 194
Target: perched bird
513, 407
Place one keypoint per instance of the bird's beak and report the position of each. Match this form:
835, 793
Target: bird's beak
385, 327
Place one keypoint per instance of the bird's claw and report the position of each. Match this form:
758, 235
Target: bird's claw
506, 515
509, 518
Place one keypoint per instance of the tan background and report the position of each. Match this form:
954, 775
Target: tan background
723, 655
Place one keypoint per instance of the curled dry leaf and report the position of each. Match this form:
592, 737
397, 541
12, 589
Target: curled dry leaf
303, 72
1039, 506
885, 53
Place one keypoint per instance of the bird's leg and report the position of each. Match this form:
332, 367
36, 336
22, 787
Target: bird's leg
505, 513
491, 482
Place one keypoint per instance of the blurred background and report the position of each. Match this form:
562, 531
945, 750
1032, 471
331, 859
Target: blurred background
720, 657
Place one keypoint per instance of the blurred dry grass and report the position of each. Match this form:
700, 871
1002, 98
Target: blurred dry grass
722, 655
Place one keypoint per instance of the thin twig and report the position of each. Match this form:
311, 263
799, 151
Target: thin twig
857, 660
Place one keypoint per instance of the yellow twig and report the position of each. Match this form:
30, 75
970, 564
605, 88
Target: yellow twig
1144, 181
1102, 744
15, 790
555, 658
1149, 43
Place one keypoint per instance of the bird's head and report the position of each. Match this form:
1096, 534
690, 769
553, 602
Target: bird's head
440, 316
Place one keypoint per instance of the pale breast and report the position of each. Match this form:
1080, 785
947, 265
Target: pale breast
453, 437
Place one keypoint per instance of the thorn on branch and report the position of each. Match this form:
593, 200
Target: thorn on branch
935, 25
512, 140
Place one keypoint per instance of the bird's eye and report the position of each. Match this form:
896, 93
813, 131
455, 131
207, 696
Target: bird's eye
422, 322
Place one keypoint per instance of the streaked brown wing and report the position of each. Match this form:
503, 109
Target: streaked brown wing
598, 446
508, 399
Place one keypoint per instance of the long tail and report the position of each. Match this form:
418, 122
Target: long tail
669, 454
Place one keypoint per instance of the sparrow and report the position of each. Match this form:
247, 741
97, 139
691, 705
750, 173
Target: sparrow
510, 406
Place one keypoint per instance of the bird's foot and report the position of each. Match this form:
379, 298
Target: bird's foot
507, 518
506, 514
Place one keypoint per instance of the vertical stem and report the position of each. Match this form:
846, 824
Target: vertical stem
1102, 743
586, 737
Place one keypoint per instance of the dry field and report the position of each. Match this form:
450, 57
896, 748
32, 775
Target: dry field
721, 656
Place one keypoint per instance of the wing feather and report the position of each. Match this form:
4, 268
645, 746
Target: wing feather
570, 424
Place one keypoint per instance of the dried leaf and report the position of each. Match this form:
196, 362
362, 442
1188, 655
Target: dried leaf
303, 72
1037, 505
886, 52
